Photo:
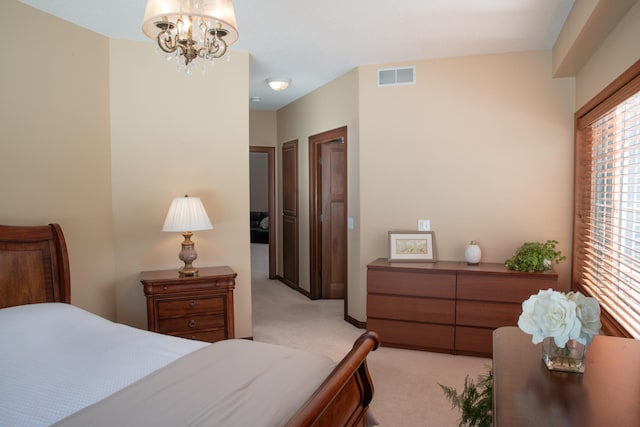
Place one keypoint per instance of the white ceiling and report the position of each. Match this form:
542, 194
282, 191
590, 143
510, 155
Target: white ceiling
312, 43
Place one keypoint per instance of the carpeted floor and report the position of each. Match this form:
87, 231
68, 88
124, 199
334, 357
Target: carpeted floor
406, 382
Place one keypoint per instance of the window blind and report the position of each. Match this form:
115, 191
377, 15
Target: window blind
606, 257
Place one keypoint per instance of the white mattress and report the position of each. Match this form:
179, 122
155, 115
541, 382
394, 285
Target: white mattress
59, 363
56, 359
232, 383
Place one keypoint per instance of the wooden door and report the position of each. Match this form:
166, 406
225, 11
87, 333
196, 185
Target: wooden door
328, 214
333, 220
290, 213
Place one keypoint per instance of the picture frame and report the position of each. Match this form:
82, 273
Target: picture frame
412, 246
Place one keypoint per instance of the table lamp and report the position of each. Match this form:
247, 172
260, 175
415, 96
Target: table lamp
187, 214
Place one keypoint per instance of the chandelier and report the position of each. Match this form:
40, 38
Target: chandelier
191, 29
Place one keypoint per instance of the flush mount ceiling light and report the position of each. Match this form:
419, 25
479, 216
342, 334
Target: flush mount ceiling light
191, 29
278, 84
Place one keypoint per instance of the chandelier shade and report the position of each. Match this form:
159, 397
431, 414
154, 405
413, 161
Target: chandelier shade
191, 29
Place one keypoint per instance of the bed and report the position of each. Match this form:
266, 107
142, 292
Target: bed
61, 365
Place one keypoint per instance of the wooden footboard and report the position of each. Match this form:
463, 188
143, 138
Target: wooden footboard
343, 398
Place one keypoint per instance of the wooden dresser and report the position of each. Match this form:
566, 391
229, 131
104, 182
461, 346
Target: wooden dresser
199, 307
447, 306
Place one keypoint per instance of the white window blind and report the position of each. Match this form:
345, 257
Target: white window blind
607, 218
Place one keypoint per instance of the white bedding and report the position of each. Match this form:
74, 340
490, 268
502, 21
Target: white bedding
233, 383
56, 359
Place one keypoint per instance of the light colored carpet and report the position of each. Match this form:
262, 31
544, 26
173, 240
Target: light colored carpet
406, 382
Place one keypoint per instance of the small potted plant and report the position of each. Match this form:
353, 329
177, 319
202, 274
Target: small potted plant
535, 256
475, 402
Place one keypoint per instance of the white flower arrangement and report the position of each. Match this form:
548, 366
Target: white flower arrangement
561, 316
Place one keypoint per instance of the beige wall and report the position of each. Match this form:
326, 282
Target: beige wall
332, 106
173, 135
99, 135
616, 53
481, 146
55, 163
587, 25
263, 130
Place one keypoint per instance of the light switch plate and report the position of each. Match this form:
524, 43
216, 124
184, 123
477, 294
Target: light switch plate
424, 225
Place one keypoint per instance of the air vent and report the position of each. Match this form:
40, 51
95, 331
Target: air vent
397, 76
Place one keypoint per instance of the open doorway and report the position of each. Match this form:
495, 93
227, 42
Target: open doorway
262, 221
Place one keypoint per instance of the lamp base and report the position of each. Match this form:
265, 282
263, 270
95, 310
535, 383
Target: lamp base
188, 255
188, 271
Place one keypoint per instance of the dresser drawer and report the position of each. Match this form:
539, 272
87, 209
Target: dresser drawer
411, 308
191, 323
474, 341
437, 284
487, 314
419, 336
187, 306
514, 287
208, 336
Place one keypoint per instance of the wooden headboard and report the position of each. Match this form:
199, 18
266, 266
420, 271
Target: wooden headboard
34, 265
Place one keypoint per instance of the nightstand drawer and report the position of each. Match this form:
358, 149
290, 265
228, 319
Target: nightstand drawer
208, 336
195, 323
188, 306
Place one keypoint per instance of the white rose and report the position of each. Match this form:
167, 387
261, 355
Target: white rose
588, 312
550, 314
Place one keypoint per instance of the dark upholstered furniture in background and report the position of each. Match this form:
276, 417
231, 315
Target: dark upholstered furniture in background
259, 227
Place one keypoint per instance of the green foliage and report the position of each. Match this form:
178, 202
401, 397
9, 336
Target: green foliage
475, 402
533, 257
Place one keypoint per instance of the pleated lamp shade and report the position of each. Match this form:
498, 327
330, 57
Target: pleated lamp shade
186, 214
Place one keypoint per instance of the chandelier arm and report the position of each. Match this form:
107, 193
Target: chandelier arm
217, 53
215, 48
165, 42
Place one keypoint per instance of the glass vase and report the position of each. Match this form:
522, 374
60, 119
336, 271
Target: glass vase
570, 358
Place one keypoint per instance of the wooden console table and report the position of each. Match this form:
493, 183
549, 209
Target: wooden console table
526, 393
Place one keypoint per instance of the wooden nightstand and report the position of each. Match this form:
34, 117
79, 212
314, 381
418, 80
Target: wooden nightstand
199, 307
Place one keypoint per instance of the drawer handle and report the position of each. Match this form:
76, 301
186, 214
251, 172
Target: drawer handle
192, 323
164, 288
192, 303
